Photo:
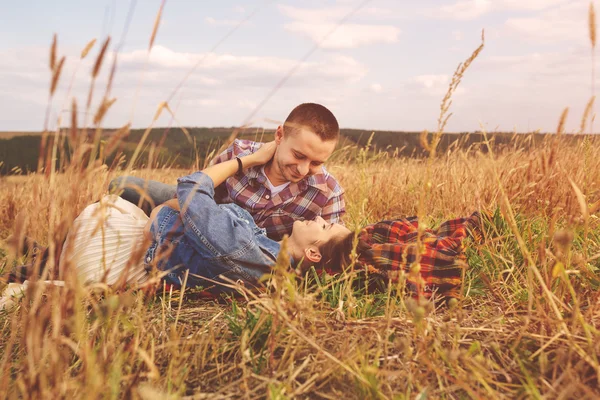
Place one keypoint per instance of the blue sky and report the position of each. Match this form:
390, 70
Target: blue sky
387, 67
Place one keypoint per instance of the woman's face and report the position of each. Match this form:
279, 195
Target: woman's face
319, 231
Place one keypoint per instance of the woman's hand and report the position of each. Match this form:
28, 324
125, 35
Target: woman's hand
261, 156
221, 171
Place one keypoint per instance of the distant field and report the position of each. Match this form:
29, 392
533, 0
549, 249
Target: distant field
11, 134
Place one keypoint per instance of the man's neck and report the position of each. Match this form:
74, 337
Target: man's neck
274, 175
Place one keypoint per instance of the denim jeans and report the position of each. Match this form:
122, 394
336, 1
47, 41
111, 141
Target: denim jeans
145, 194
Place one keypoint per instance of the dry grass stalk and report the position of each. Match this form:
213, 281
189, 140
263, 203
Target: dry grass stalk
562, 121
454, 83
103, 109
592, 24
74, 128
116, 139
100, 58
156, 25
586, 114
56, 75
592, 31
53, 53
87, 48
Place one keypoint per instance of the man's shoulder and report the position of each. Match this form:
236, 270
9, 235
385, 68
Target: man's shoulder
245, 146
237, 148
326, 182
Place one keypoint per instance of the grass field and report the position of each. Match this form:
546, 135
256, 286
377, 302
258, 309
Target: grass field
527, 327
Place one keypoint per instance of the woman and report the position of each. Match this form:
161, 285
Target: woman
189, 235
196, 241
392, 251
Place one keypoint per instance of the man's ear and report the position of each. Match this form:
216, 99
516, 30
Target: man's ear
279, 134
313, 254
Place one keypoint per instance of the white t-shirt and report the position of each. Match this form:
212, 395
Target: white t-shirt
274, 189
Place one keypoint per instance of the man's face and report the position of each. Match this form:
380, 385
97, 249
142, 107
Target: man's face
301, 153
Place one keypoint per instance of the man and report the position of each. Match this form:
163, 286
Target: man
293, 186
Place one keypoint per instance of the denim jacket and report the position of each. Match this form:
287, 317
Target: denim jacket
208, 239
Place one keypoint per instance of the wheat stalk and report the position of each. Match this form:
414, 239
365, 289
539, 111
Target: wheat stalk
53, 53
592, 25
73, 135
561, 122
95, 72
592, 32
586, 114
156, 25
56, 75
87, 48
100, 58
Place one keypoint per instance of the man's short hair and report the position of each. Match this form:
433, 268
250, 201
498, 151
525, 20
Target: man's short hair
313, 117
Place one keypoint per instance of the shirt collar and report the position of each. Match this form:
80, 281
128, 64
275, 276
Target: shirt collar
318, 181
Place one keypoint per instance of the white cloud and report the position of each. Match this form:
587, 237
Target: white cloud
336, 67
239, 9
473, 9
550, 70
432, 86
376, 88
247, 104
528, 5
346, 36
567, 22
431, 81
527, 91
464, 9
240, 82
316, 24
221, 22
202, 102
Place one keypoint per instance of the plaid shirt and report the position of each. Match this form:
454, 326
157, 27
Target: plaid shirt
315, 195
394, 253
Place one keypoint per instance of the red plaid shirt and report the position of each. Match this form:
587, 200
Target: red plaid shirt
394, 253
315, 195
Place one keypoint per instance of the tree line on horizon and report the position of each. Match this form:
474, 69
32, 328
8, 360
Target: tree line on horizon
174, 148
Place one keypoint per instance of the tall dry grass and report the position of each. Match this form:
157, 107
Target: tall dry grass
329, 338
526, 328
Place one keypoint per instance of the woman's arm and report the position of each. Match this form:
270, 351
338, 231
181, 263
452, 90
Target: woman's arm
209, 227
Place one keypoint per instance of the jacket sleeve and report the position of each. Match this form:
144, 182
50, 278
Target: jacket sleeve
212, 230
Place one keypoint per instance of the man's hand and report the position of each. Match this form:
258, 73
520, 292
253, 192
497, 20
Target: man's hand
262, 156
